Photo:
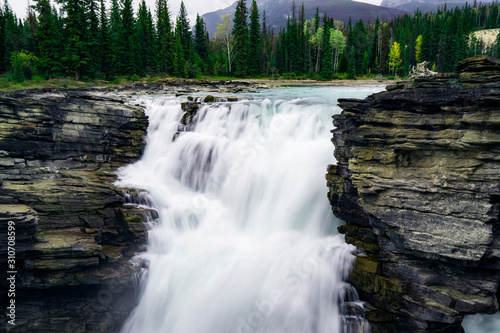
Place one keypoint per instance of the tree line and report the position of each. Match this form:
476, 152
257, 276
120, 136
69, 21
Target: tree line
85, 39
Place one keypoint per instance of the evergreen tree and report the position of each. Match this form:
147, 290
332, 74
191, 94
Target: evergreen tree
12, 35
255, 40
201, 43
183, 30
240, 33
76, 54
375, 44
144, 39
166, 39
2, 40
48, 39
327, 62
496, 47
351, 71
105, 51
359, 41
115, 25
127, 51
94, 64
266, 45
180, 61
317, 20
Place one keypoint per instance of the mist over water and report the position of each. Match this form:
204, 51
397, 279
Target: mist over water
245, 240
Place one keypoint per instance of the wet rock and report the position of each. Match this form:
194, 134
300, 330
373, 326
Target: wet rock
417, 182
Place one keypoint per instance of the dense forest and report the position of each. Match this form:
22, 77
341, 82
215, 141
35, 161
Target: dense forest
86, 40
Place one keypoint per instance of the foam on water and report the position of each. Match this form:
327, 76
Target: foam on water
245, 241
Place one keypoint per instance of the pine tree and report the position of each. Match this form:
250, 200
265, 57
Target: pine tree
183, 30
375, 44
2, 40
115, 25
327, 62
144, 39
76, 54
127, 50
495, 48
12, 35
201, 43
105, 51
255, 41
180, 62
359, 41
351, 71
240, 33
94, 64
166, 40
317, 20
48, 39
266, 45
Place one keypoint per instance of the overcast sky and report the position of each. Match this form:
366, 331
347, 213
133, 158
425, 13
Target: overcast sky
193, 6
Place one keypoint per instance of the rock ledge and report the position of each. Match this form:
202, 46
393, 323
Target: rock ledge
418, 183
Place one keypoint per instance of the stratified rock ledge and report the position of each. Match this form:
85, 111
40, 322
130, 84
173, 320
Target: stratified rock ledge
418, 184
59, 150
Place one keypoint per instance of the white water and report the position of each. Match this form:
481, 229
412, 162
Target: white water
246, 241
481, 323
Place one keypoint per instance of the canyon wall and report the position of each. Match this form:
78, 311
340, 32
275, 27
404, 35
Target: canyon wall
59, 150
417, 182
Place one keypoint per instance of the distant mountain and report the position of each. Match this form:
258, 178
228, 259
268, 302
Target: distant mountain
277, 11
426, 6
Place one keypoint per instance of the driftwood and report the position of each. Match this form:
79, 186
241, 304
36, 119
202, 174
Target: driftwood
420, 71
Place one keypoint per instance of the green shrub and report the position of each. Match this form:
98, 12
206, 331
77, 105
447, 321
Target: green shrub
22, 65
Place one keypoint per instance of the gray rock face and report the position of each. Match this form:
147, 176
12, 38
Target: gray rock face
59, 150
418, 184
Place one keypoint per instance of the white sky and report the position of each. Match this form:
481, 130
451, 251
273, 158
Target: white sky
193, 6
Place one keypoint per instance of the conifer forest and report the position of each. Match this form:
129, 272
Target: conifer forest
86, 39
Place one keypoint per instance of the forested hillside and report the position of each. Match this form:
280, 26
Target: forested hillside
86, 40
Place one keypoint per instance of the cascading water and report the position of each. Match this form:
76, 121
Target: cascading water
246, 241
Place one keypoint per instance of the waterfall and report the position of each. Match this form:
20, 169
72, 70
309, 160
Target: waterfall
246, 241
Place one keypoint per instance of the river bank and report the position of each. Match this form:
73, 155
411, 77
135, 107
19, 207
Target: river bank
203, 84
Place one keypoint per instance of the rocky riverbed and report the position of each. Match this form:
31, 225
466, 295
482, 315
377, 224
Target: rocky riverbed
418, 183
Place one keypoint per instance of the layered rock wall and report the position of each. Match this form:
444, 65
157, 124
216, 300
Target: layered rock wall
418, 184
59, 150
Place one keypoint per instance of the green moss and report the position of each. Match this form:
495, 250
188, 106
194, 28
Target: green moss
367, 264
209, 99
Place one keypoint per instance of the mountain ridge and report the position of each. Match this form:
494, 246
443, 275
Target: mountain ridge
277, 12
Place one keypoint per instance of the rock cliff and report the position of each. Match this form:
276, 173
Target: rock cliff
418, 184
73, 235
